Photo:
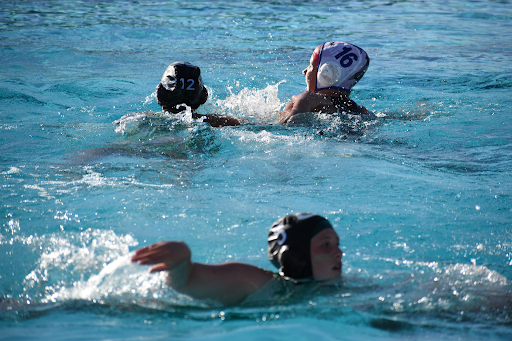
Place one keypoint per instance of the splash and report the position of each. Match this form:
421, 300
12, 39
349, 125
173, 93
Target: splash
128, 122
92, 265
132, 122
258, 105
68, 259
120, 278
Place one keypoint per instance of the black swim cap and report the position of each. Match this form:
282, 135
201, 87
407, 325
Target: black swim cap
181, 84
289, 243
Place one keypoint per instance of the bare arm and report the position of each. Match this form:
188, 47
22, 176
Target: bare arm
217, 120
305, 102
228, 283
314, 102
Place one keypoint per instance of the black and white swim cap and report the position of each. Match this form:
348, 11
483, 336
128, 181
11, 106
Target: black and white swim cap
181, 84
289, 243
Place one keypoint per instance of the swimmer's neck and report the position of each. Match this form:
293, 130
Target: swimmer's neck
334, 92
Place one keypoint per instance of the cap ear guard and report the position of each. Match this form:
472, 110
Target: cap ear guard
293, 264
169, 83
276, 238
329, 74
289, 241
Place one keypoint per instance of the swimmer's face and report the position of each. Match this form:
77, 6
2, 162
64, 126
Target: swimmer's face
326, 255
310, 73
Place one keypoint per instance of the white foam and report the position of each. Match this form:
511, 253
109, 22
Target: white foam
259, 105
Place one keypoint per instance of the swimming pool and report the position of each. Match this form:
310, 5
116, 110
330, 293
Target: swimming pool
420, 197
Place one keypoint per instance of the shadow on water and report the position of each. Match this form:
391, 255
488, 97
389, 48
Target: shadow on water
149, 136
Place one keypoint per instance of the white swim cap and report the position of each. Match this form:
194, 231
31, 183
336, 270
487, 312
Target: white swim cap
341, 66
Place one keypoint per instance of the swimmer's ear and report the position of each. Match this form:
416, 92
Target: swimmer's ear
294, 265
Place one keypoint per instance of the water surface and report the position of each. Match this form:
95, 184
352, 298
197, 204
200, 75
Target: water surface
420, 196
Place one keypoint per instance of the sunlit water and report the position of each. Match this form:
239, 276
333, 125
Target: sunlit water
421, 196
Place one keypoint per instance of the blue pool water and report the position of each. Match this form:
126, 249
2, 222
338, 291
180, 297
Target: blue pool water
420, 196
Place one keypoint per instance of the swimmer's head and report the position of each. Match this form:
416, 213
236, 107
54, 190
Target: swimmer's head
181, 84
289, 243
340, 65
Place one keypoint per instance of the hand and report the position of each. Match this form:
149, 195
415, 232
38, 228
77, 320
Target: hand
166, 255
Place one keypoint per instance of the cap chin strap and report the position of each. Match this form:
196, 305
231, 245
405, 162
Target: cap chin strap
170, 84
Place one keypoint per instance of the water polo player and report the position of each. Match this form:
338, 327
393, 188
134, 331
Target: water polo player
303, 247
181, 85
335, 67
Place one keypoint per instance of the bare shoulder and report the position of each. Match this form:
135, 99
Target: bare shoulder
321, 103
243, 273
313, 98
228, 283
311, 102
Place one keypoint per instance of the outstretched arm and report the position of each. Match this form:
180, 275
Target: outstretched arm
218, 120
228, 283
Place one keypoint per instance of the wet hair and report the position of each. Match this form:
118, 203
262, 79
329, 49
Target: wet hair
181, 84
289, 243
